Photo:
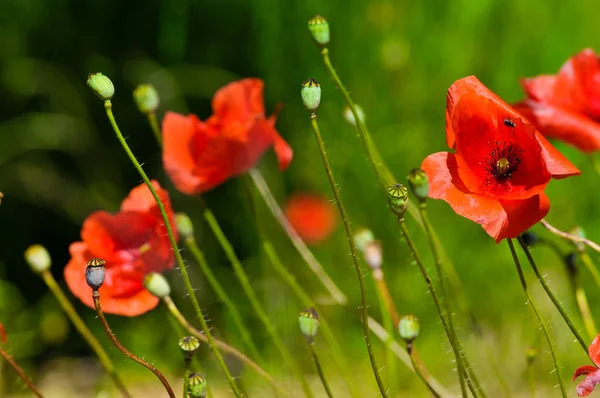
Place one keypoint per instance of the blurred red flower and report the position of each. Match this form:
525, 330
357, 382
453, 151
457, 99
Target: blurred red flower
198, 155
567, 105
2, 334
312, 216
133, 242
592, 372
500, 167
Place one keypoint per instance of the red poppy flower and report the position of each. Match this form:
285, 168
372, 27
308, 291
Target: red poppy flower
500, 167
2, 334
567, 105
312, 216
592, 372
198, 155
133, 242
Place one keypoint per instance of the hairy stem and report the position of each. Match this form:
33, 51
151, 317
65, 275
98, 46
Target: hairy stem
155, 128
315, 357
13, 364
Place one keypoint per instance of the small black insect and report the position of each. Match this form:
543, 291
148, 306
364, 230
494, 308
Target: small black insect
508, 122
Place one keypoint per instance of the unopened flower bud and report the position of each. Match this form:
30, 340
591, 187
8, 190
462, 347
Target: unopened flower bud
184, 225
309, 323
409, 328
146, 98
398, 199
157, 285
101, 86
529, 238
530, 354
571, 263
197, 386
363, 237
349, 116
373, 255
419, 184
311, 94
189, 346
95, 273
319, 29
38, 258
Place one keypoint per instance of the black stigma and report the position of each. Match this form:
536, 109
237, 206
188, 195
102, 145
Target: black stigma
508, 122
510, 153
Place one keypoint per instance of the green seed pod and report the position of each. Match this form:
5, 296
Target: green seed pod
311, 94
349, 116
398, 199
95, 273
146, 98
38, 258
184, 225
101, 86
530, 355
419, 184
362, 238
409, 328
319, 29
197, 385
157, 285
189, 346
309, 323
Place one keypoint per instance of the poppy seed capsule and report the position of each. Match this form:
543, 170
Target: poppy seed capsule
95, 273
38, 258
530, 354
571, 263
311, 94
146, 98
349, 116
419, 184
409, 327
101, 86
319, 29
189, 346
398, 199
157, 285
184, 225
529, 238
309, 323
197, 385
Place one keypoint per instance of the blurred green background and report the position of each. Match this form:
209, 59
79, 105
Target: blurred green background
59, 161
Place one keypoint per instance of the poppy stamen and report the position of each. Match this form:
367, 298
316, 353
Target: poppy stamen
504, 160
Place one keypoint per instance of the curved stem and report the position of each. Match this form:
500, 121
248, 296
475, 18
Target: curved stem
390, 319
551, 295
13, 364
129, 354
409, 349
589, 264
453, 342
222, 345
222, 295
353, 250
155, 128
537, 314
84, 331
181, 265
313, 350
254, 302
305, 252
568, 236
186, 377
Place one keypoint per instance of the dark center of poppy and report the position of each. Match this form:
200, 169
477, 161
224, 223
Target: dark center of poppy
504, 160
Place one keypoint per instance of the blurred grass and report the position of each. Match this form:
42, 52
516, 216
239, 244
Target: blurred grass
59, 161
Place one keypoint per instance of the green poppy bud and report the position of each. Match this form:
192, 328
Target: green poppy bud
197, 385
362, 238
319, 29
95, 273
349, 116
189, 346
311, 94
419, 184
184, 225
146, 98
409, 328
38, 258
157, 285
398, 199
530, 354
309, 323
101, 86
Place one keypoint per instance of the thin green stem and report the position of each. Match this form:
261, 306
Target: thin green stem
254, 302
186, 377
182, 267
84, 331
313, 350
155, 128
353, 250
531, 377
390, 322
13, 364
584, 309
589, 264
551, 295
305, 252
419, 372
224, 297
537, 314
175, 313
453, 342
128, 354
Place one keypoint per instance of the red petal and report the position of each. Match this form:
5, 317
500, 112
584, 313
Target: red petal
283, 151
586, 387
2, 334
183, 136
240, 100
540, 88
584, 370
594, 350
500, 219
312, 216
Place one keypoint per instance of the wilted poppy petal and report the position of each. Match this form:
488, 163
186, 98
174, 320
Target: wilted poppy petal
312, 216
584, 370
239, 100
586, 387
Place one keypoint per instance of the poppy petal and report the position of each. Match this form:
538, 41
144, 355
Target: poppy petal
312, 216
522, 214
283, 151
2, 334
586, 387
240, 100
539, 88
584, 370
594, 350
